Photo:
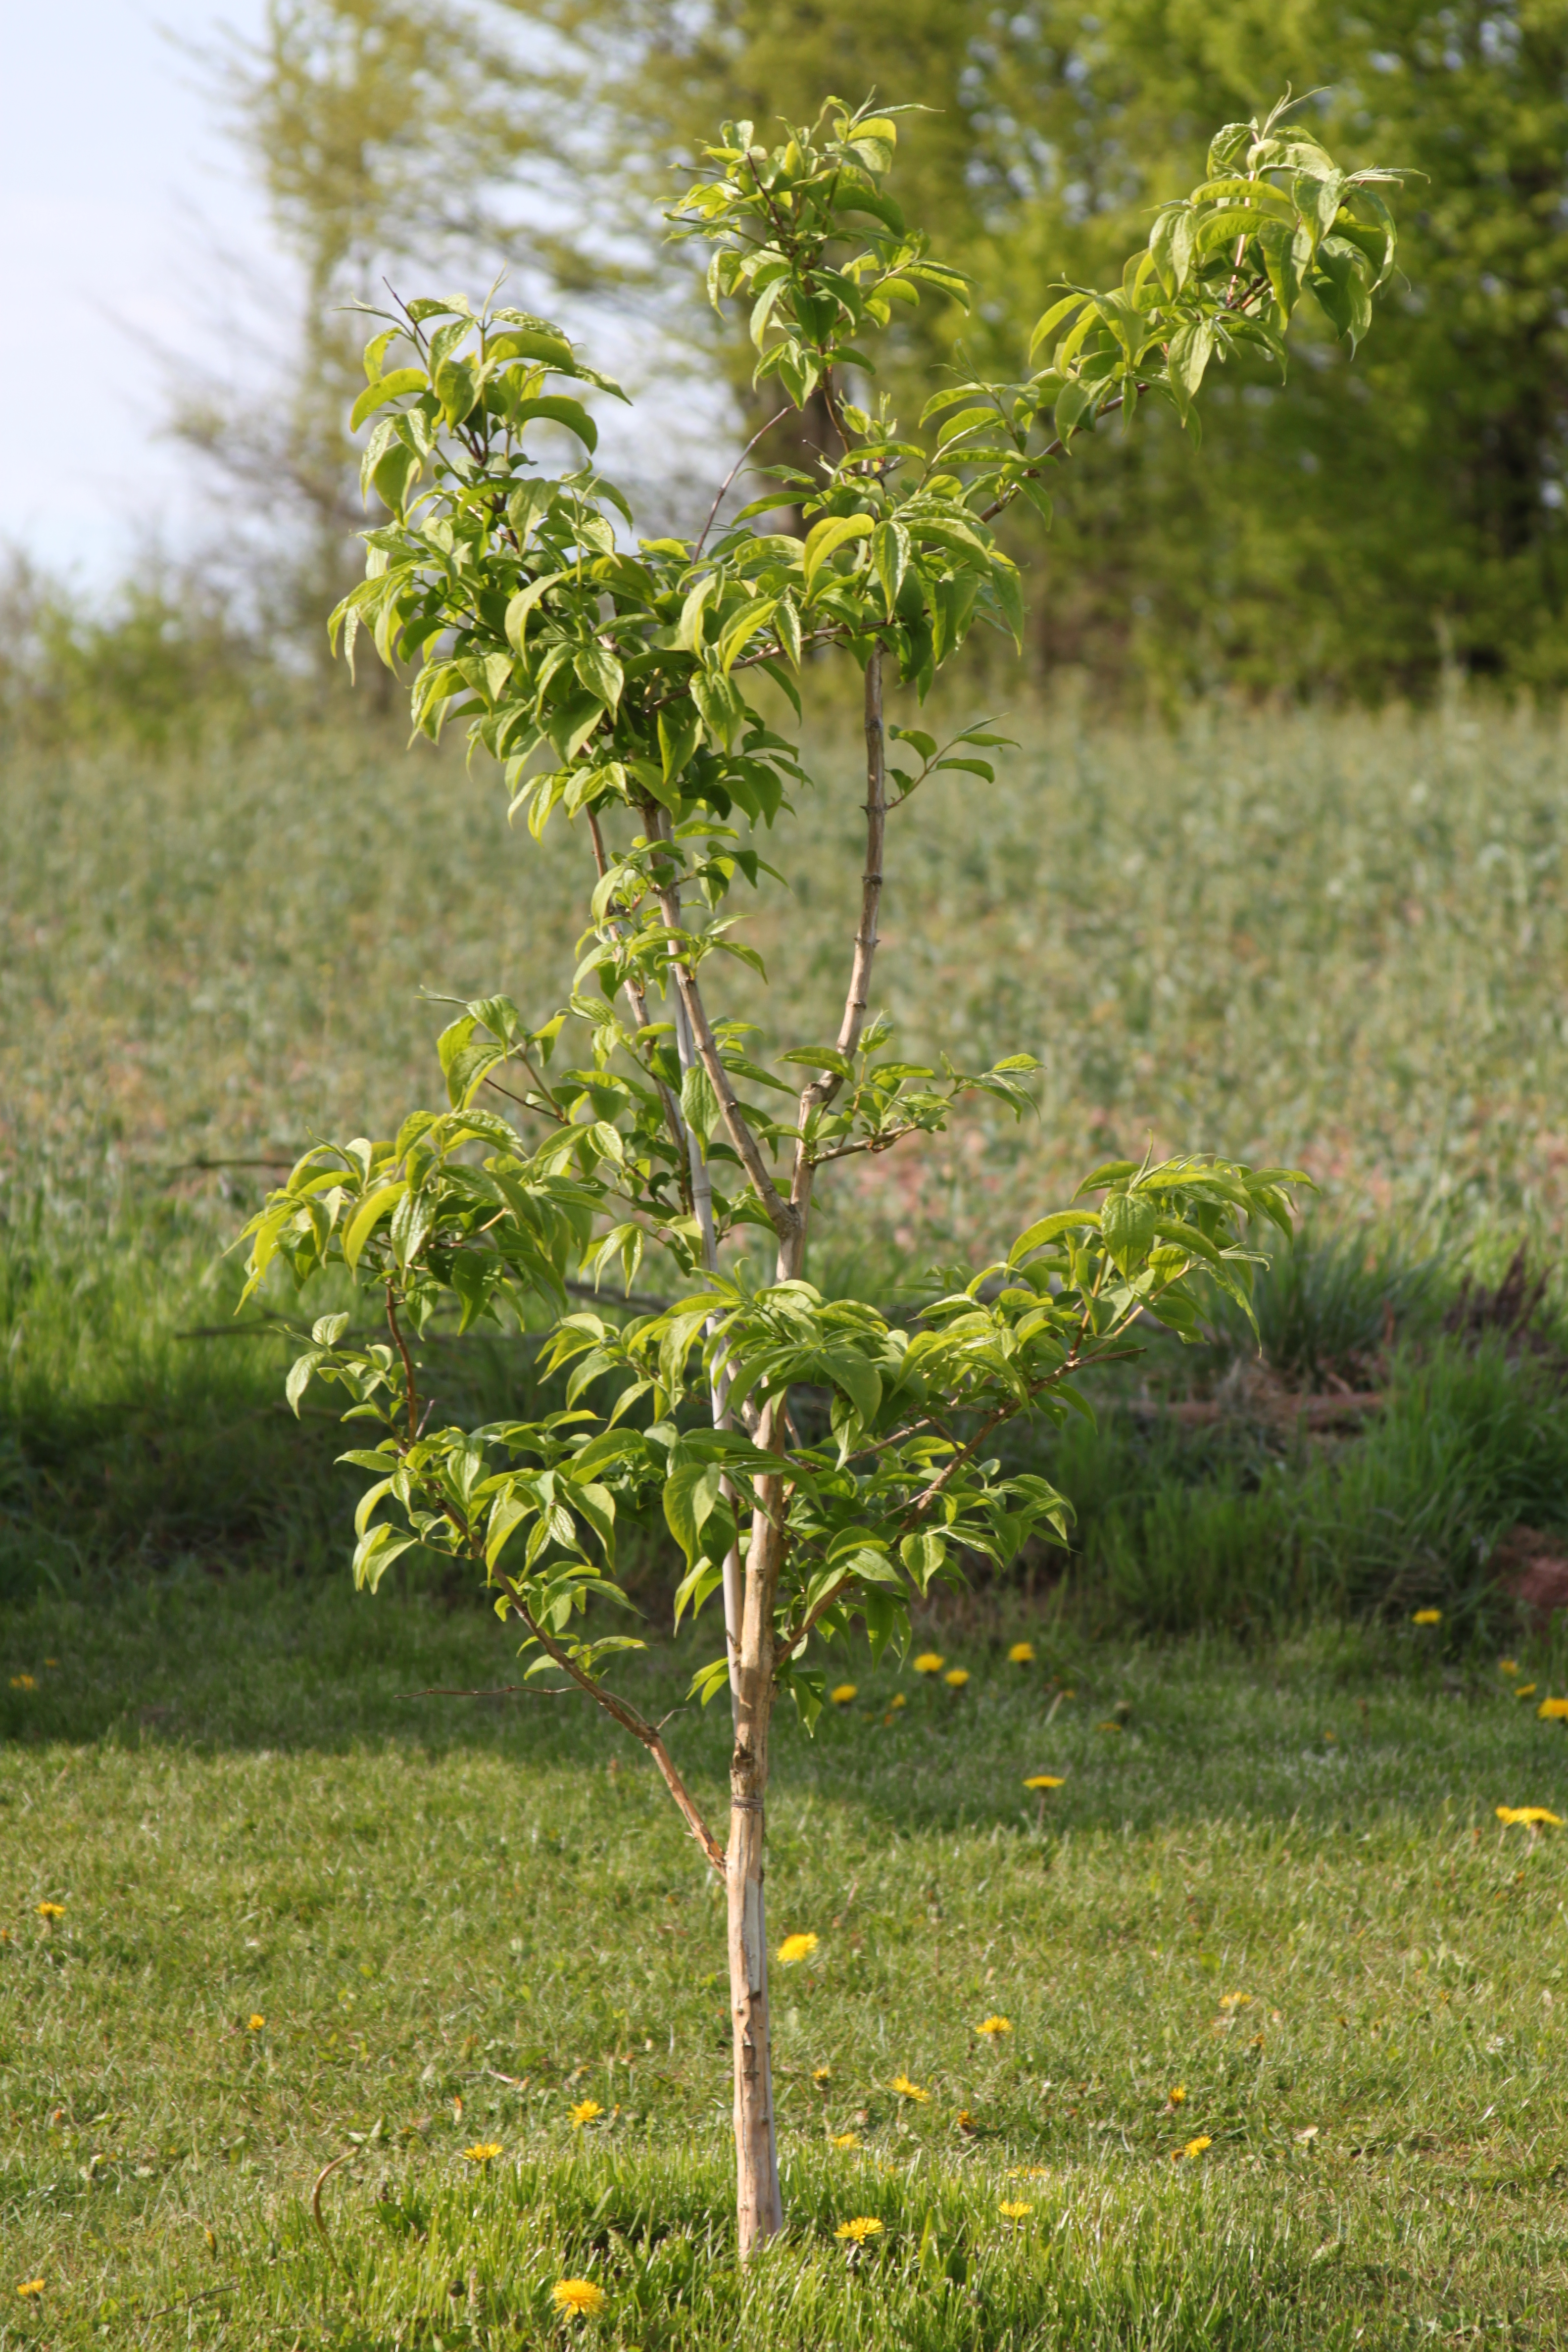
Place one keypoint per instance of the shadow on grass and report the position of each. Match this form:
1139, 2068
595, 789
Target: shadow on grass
1336, 1723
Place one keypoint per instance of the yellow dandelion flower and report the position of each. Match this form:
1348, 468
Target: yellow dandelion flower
255, 2022
1236, 2001
955, 1677
51, 1910
23, 1682
1070, 1694
907, 2090
1196, 2146
1427, 1617
585, 2112
995, 2025
821, 2074
1553, 1710
1532, 1816
1022, 1654
1176, 2096
843, 1693
796, 1947
580, 2297
863, 2226
1107, 1727
1030, 2172
898, 1699
846, 2140
1526, 1690
1044, 1781
1507, 1665
51, 1661
929, 1661
1015, 2208
30, 2286
484, 2151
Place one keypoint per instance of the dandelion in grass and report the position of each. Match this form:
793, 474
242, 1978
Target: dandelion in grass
898, 1699
968, 2123
30, 2286
1507, 1665
1236, 2001
1553, 1710
1526, 1690
580, 2297
1044, 1781
1030, 2172
51, 1661
861, 2227
842, 1695
51, 1910
846, 2140
1176, 2096
1022, 1654
820, 2075
484, 2151
1107, 1727
907, 2090
255, 2022
995, 2025
955, 1677
1528, 1817
796, 1947
23, 1682
1015, 2208
1427, 1617
585, 2111
929, 1661
1196, 2146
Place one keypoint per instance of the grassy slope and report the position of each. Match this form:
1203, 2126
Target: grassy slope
422, 1897
1318, 938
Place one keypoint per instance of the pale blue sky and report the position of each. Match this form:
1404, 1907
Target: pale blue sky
116, 195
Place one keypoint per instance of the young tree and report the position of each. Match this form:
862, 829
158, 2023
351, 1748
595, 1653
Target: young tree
610, 681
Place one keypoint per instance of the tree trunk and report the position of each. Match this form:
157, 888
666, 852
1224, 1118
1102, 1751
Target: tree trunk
758, 2206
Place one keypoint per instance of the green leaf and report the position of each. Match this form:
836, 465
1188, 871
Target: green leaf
560, 411
826, 537
523, 604
367, 1216
699, 1103
389, 387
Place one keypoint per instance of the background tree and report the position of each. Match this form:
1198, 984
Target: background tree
1347, 529
617, 685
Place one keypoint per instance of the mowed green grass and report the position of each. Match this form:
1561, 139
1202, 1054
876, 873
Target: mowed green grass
1281, 1885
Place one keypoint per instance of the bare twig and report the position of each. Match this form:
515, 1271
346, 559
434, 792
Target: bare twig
703, 539
502, 1690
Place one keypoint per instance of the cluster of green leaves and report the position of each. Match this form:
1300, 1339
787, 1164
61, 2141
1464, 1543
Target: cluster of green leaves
1222, 271
884, 1483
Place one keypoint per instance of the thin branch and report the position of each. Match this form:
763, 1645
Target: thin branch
730, 476
780, 1211
817, 1097
504, 1690
627, 1716
407, 1367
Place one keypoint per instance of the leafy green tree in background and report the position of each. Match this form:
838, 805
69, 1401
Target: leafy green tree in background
613, 683
1349, 529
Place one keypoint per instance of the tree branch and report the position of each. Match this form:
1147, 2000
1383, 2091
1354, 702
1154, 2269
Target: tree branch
627, 1716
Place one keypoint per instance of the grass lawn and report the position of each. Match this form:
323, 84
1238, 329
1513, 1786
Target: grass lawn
306, 1918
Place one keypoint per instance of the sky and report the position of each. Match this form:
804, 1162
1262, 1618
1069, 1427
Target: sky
117, 199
